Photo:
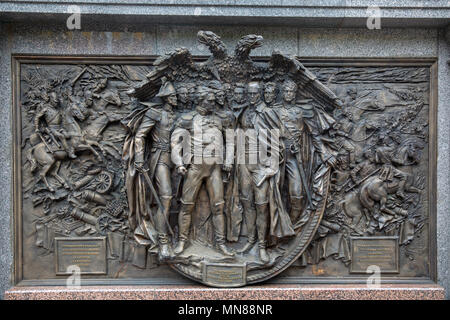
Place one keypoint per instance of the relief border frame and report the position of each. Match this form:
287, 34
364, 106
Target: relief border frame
16, 185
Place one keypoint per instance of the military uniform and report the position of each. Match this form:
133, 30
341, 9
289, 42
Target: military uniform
150, 126
54, 120
206, 132
295, 121
157, 126
254, 185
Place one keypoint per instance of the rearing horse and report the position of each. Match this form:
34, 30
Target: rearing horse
49, 156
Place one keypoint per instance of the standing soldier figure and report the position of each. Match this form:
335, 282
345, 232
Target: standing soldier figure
295, 121
253, 176
206, 132
153, 124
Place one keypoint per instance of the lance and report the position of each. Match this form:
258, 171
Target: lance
78, 76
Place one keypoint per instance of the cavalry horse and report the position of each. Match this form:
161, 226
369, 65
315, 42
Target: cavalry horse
49, 155
375, 190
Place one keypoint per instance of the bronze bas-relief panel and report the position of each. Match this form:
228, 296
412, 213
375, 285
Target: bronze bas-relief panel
96, 142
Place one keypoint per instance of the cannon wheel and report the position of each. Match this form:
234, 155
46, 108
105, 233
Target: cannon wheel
103, 224
103, 181
98, 211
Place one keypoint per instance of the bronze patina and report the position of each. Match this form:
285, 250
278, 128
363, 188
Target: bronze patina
229, 170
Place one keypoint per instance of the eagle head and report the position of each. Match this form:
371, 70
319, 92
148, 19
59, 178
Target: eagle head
247, 44
213, 42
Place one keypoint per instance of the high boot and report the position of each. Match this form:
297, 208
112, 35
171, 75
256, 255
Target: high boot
70, 150
161, 219
218, 220
304, 217
262, 225
250, 221
184, 224
165, 251
296, 208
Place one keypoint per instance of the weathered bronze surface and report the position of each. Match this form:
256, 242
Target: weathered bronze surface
228, 170
89, 254
374, 251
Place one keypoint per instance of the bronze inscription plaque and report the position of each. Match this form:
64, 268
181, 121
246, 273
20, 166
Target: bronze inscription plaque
228, 170
223, 275
89, 254
375, 251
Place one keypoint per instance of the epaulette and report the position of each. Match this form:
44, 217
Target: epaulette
153, 113
185, 120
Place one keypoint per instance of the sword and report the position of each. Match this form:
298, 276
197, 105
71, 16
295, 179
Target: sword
158, 202
52, 137
179, 186
45, 142
302, 174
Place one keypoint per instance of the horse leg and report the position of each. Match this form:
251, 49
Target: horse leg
43, 175
32, 159
383, 206
46, 160
367, 216
58, 177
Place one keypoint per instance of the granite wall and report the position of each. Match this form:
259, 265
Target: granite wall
109, 37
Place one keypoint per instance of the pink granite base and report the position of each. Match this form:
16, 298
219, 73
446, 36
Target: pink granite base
261, 292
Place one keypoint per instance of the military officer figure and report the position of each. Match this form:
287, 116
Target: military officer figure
206, 131
270, 93
238, 102
54, 120
156, 126
296, 120
254, 173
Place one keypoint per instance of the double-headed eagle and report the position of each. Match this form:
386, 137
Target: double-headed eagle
180, 66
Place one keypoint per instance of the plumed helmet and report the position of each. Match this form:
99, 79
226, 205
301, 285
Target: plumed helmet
166, 90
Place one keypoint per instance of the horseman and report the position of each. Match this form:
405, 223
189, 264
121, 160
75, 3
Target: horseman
53, 116
147, 152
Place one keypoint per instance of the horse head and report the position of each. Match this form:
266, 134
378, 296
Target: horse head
76, 112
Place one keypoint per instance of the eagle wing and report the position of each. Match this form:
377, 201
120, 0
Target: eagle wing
306, 80
174, 66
